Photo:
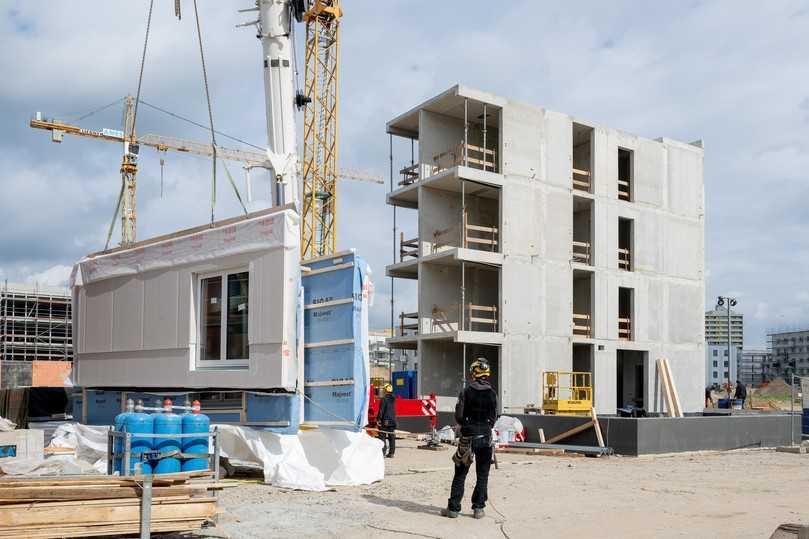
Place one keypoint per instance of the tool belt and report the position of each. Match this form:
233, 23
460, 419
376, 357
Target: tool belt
464, 456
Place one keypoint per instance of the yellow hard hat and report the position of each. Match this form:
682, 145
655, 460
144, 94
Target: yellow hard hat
388, 388
480, 368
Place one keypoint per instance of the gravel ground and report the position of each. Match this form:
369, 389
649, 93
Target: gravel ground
739, 494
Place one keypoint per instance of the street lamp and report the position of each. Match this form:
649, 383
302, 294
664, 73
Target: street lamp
731, 302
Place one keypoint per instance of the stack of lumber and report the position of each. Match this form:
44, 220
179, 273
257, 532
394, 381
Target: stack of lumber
87, 506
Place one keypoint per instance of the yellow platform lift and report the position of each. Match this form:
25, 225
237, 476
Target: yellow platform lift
567, 393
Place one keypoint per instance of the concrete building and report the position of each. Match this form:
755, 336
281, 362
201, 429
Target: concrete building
717, 364
36, 342
546, 242
789, 354
381, 354
716, 327
751, 369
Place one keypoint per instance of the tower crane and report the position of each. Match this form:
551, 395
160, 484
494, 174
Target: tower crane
127, 204
320, 101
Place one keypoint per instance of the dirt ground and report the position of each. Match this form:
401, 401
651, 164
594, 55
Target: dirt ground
739, 494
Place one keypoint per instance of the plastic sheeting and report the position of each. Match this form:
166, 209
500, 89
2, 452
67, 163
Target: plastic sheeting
311, 460
268, 229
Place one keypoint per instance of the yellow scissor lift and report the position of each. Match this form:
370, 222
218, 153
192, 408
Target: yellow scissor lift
567, 393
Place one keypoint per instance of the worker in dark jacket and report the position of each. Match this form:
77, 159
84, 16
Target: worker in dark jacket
475, 412
741, 392
386, 422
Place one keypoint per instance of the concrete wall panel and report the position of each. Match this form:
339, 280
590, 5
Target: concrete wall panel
522, 216
650, 173
558, 138
523, 132
523, 297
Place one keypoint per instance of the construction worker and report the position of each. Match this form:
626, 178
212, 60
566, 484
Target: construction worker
475, 412
386, 422
741, 392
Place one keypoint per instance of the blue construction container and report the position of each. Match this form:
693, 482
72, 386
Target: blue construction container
335, 329
102, 406
195, 423
404, 384
168, 424
805, 421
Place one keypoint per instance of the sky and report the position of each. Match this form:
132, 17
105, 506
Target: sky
733, 73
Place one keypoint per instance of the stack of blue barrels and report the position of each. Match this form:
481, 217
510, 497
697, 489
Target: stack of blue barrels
167, 425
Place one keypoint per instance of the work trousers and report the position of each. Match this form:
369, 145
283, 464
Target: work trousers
482, 449
389, 439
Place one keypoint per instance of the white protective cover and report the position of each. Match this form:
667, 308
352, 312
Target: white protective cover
310, 460
265, 230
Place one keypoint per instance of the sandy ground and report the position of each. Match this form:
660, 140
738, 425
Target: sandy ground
738, 494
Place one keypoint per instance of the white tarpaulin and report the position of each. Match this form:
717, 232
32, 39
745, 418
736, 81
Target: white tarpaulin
310, 460
265, 230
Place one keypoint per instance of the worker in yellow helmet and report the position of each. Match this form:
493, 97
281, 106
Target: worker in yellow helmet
386, 422
475, 412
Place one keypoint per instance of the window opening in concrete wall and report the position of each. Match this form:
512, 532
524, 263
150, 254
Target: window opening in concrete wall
583, 359
582, 158
466, 216
477, 137
583, 230
625, 173
224, 318
625, 311
583, 283
463, 297
625, 243
631, 376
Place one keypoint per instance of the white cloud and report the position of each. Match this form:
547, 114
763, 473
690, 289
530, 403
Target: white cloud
651, 68
57, 275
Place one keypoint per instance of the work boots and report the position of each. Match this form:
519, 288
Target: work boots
478, 513
449, 513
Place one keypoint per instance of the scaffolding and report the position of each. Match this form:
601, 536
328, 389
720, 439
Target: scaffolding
35, 324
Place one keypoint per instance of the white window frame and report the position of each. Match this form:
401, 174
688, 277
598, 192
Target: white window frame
223, 361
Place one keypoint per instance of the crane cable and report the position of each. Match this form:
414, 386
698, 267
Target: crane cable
142, 64
210, 112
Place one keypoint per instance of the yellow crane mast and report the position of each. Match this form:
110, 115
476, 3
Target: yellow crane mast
320, 143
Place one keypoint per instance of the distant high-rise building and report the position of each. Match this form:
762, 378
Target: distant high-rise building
789, 354
751, 368
716, 327
717, 364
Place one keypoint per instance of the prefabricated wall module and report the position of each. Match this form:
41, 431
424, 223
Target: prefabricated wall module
208, 307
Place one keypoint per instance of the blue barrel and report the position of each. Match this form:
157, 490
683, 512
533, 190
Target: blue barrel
139, 423
167, 423
196, 423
